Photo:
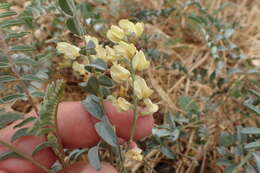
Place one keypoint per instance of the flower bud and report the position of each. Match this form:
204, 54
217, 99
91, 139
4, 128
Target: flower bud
79, 68
70, 51
115, 34
119, 73
125, 50
132, 29
123, 104
141, 89
139, 61
150, 106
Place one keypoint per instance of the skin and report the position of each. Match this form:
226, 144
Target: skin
26, 145
76, 129
73, 120
123, 122
83, 167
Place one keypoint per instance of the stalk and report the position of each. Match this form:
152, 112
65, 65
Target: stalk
25, 156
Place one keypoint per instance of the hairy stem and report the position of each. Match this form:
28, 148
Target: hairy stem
7, 52
25, 156
61, 153
100, 94
135, 104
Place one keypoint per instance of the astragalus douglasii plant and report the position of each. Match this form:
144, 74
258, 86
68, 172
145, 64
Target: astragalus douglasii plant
66, 131
90, 76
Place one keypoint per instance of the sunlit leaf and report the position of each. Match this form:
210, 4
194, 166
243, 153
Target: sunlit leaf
93, 158
107, 133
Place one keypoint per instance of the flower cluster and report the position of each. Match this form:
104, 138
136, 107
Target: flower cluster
124, 59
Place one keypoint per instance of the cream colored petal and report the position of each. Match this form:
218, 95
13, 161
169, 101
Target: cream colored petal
70, 51
150, 106
127, 26
141, 89
139, 29
119, 73
115, 34
125, 50
123, 104
139, 61
79, 68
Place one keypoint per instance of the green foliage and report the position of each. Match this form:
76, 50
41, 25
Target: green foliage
46, 123
93, 157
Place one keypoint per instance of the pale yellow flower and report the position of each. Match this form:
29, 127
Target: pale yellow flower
79, 68
141, 89
119, 73
150, 106
125, 50
115, 34
134, 154
123, 104
90, 38
101, 52
130, 28
70, 51
111, 54
139, 61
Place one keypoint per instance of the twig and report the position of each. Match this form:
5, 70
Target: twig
183, 77
25, 156
7, 52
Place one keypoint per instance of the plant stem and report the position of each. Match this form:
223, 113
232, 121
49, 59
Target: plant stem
25, 156
7, 52
100, 94
61, 153
135, 104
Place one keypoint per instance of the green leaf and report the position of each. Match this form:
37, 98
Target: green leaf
225, 139
228, 33
7, 13
106, 81
16, 35
9, 117
26, 61
257, 161
5, 6
170, 120
98, 65
11, 98
230, 169
7, 78
23, 48
26, 121
252, 145
9, 23
42, 146
92, 85
249, 104
37, 94
107, 133
105, 91
30, 77
223, 162
4, 65
67, 6
19, 133
250, 130
167, 152
187, 104
93, 158
92, 105
74, 26
7, 155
